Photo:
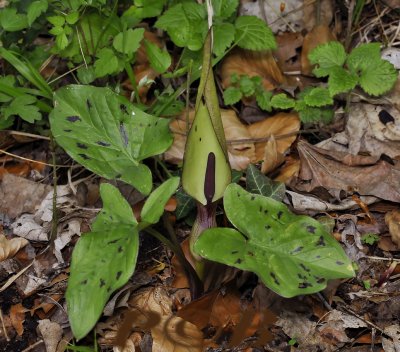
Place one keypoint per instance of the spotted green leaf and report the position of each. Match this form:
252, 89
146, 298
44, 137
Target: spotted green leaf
103, 261
105, 133
292, 254
154, 206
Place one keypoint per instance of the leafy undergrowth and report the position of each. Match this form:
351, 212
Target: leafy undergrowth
97, 101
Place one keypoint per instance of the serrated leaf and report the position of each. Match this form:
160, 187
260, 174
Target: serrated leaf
105, 133
185, 204
11, 21
282, 101
62, 40
312, 115
317, 97
128, 42
341, 81
327, 56
35, 9
22, 106
159, 59
224, 34
106, 63
232, 95
258, 183
224, 8
146, 8
56, 21
72, 17
379, 78
263, 99
154, 206
253, 33
247, 86
186, 24
103, 261
292, 254
363, 56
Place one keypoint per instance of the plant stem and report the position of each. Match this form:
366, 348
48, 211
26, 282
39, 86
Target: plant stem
349, 25
54, 220
131, 75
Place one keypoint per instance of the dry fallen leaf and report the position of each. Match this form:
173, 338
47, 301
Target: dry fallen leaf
310, 10
17, 316
338, 171
51, 333
252, 63
272, 157
392, 220
8, 248
287, 53
318, 35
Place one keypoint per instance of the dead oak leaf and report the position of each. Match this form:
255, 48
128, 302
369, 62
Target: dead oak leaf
17, 316
8, 248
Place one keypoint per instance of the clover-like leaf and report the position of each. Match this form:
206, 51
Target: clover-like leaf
103, 261
105, 133
154, 206
292, 254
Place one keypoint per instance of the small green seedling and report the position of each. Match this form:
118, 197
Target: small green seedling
370, 238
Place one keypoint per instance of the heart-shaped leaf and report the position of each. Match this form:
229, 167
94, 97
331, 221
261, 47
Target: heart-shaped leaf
103, 261
154, 206
105, 133
257, 182
292, 254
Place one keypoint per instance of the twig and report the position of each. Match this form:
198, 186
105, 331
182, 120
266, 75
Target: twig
25, 134
30, 160
31, 347
54, 219
14, 277
349, 25
4, 326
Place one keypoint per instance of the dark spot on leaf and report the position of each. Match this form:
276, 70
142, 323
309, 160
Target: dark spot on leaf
304, 267
318, 256
108, 289
338, 262
260, 209
267, 227
251, 254
84, 156
88, 104
113, 241
149, 125
385, 117
238, 261
321, 242
302, 277
234, 252
103, 144
252, 198
311, 229
118, 176
321, 280
81, 145
274, 278
280, 213
73, 118
123, 108
111, 218
296, 250
67, 131
123, 133
200, 139
103, 260
119, 273
238, 194
120, 249
266, 211
156, 123
84, 282
304, 285
102, 283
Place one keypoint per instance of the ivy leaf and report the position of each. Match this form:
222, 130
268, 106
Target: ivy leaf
185, 204
341, 80
327, 56
102, 262
186, 24
105, 133
263, 99
363, 56
224, 34
379, 78
154, 206
35, 9
292, 254
318, 97
258, 183
282, 101
224, 8
22, 106
252, 33
11, 21
232, 95
159, 59
128, 42
106, 63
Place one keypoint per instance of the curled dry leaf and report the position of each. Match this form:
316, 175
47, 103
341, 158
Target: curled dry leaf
338, 171
252, 63
289, 169
8, 248
243, 146
392, 220
370, 129
318, 35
